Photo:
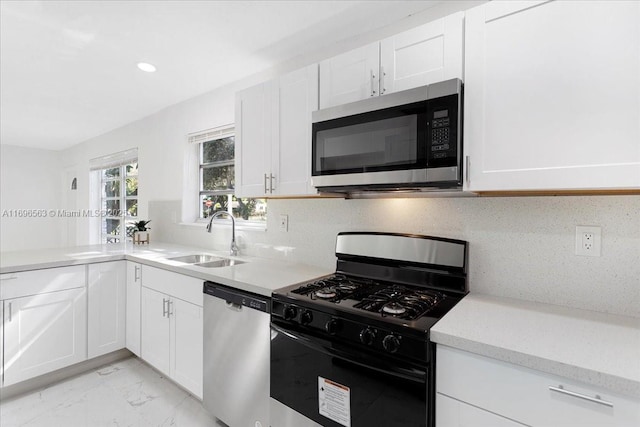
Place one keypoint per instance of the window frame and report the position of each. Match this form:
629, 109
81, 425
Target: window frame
202, 138
107, 214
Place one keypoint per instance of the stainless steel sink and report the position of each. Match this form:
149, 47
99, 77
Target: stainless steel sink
221, 262
196, 259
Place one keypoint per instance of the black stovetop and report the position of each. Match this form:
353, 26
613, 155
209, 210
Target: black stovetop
390, 303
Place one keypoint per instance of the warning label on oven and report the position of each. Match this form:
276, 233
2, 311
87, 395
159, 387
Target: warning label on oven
334, 401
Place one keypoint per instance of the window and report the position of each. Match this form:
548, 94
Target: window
217, 178
118, 181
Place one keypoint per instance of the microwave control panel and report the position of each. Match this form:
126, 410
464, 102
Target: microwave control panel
442, 145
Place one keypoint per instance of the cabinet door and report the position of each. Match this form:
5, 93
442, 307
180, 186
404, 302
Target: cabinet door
132, 335
453, 413
155, 332
43, 333
252, 143
350, 77
295, 97
427, 54
552, 95
186, 345
107, 306
528, 396
1, 341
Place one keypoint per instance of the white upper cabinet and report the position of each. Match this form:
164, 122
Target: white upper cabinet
426, 54
552, 95
350, 76
273, 135
253, 142
295, 97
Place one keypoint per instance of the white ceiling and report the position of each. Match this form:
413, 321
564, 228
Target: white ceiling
68, 68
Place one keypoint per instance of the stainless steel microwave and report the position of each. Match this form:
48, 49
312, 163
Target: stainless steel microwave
400, 141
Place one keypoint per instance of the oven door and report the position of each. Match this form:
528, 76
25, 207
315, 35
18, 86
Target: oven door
337, 386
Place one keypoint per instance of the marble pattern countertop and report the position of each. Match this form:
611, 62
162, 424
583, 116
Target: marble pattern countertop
595, 348
257, 275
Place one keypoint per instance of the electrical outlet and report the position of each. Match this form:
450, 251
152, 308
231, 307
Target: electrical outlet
588, 240
284, 223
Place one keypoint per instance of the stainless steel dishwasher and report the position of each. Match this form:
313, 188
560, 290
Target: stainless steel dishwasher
236, 356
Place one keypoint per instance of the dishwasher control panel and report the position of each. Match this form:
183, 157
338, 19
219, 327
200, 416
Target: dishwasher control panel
236, 297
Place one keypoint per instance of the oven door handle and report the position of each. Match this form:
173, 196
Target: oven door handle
407, 373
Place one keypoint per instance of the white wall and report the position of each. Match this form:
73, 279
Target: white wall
30, 182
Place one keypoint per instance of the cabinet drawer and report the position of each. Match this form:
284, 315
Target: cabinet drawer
24, 283
178, 285
525, 395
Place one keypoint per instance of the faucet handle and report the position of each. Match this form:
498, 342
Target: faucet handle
234, 248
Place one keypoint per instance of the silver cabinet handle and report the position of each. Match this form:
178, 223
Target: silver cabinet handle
373, 77
467, 168
165, 310
266, 185
8, 277
136, 277
596, 399
10, 311
382, 74
271, 187
169, 308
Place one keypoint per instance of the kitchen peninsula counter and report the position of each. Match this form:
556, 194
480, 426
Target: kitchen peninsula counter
257, 275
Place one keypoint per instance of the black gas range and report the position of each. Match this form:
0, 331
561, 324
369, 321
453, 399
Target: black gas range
364, 330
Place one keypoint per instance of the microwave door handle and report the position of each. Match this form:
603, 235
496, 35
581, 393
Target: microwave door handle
363, 361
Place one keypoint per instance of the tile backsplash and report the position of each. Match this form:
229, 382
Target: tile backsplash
519, 247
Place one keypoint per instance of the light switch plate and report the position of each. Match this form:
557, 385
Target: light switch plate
284, 223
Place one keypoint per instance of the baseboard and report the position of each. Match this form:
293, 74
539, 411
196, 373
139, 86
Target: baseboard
45, 380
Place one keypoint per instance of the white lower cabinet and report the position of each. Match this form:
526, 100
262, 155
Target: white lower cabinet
134, 284
186, 352
106, 309
513, 394
44, 332
155, 334
171, 335
453, 413
1, 342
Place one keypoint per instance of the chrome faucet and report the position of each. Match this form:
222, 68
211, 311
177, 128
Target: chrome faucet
234, 248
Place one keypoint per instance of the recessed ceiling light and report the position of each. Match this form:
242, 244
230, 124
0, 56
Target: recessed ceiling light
146, 67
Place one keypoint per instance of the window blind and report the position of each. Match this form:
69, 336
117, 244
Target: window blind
211, 134
114, 160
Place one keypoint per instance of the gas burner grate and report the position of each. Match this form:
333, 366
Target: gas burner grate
333, 288
401, 302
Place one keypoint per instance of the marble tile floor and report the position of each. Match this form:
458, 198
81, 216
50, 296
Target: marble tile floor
125, 393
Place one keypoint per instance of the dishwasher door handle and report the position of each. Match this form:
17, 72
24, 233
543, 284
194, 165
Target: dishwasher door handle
233, 306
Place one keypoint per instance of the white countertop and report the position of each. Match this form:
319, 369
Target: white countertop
257, 275
595, 348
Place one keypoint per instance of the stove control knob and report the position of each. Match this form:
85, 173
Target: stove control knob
289, 312
332, 326
391, 343
306, 317
367, 336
